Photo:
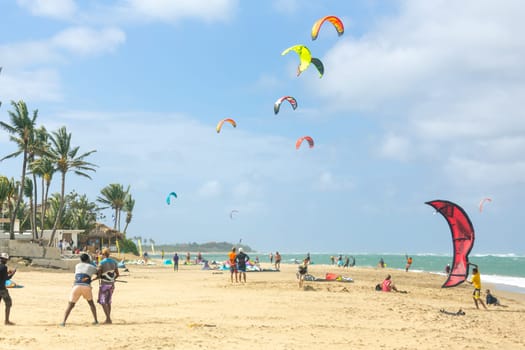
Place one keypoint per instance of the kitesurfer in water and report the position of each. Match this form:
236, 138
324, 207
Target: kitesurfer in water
476, 281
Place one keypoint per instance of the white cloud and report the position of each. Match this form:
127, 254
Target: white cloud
468, 172
395, 147
50, 8
211, 188
30, 67
327, 182
286, 6
445, 76
30, 85
172, 11
83, 40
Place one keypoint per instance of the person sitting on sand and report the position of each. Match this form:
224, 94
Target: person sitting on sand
492, 300
388, 285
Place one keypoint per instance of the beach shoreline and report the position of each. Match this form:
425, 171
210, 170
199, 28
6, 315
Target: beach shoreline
201, 309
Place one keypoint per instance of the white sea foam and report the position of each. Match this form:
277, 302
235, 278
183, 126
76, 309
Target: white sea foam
505, 280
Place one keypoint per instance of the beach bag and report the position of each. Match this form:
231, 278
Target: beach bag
378, 287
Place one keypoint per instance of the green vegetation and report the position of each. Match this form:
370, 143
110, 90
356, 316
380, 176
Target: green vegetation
45, 154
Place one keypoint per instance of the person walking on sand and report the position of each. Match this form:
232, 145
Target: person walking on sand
175, 262
107, 273
5, 275
241, 259
277, 261
82, 287
476, 282
233, 267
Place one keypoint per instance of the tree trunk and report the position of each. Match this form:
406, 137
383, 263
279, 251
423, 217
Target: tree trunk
44, 209
21, 194
61, 207
33, 211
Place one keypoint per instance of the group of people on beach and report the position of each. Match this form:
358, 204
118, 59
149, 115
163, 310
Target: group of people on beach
388, 286
237, 261
86, 271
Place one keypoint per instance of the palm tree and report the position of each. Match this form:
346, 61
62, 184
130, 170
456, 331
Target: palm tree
129, 204
83, 214
4, 191
114, 196
12, 195
28, 192
44, 168
21, 130
39, 148
67, 159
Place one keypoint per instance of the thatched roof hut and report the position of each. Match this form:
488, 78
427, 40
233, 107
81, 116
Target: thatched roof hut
100, 236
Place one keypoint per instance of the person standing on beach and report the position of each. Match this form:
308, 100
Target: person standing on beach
277, 261
302, 271
175, 262
82, 287
347, 262
233, 267
107, 273
409, 262
271, 258
5, 275
476, 281
241, 259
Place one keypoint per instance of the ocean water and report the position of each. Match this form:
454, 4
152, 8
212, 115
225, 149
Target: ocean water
507, 271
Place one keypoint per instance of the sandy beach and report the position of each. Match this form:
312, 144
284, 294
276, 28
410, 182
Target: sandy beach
198, 309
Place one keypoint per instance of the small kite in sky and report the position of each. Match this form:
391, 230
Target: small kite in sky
337, 23
228, 120
277, 105
303, 138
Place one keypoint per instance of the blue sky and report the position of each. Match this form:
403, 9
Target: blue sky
420, 100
